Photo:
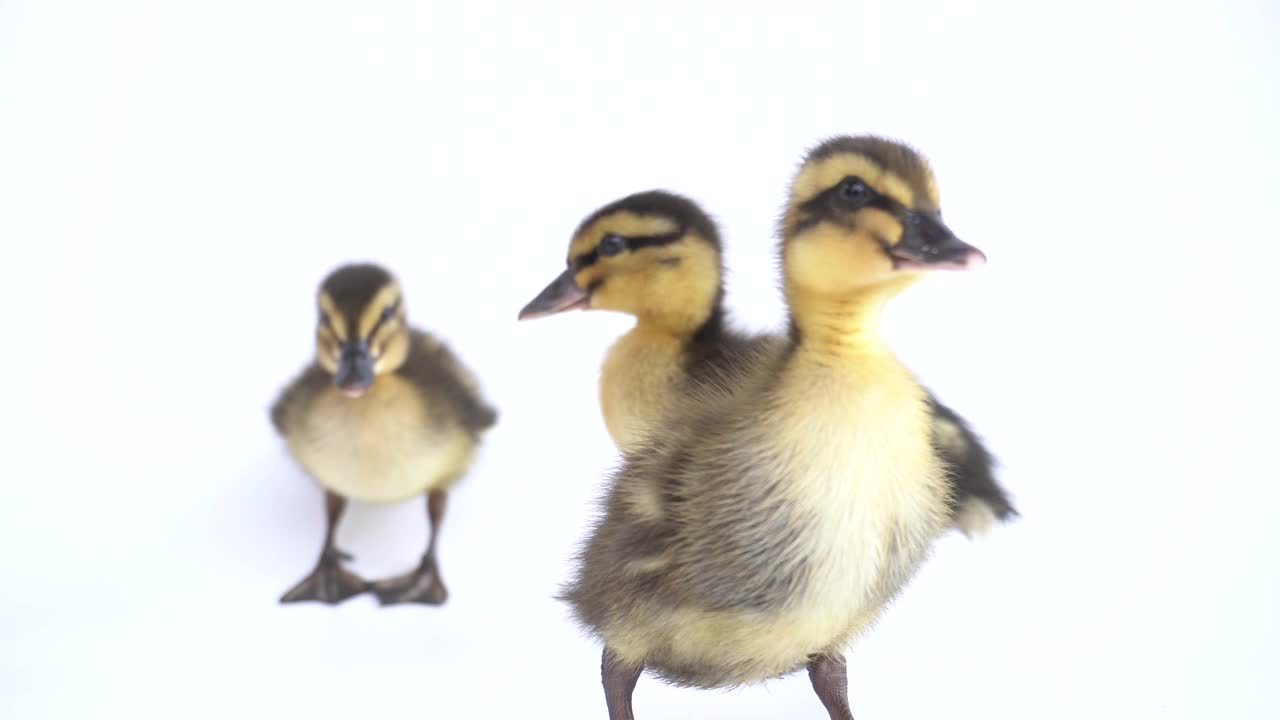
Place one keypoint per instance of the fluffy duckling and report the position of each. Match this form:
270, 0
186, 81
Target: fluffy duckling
384, 412
762, 529
658, 257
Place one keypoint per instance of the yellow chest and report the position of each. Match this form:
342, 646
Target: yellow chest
863, 469
637, 381
380, 447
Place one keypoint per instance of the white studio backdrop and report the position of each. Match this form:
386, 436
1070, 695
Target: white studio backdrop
176, 177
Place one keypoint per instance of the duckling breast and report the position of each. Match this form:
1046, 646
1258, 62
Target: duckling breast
384, 446
637, 381
777, 535
864, 472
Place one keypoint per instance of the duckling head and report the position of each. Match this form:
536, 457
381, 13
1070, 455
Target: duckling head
654, 255
863, 217
362, 332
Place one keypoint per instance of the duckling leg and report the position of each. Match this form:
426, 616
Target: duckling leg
423, 585
619, 682
329, 582
829, 676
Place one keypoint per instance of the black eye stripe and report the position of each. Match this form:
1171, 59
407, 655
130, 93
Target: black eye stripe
585, 260
823, 206
611, 244
590, 257
384, 318
888, 204
636, 243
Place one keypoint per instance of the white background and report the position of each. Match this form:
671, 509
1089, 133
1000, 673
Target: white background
176, 177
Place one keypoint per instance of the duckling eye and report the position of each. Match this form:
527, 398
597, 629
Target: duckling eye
387, 313
853, 191
611, 245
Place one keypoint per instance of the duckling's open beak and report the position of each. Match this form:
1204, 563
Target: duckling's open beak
562, 294
927, 244
355, 369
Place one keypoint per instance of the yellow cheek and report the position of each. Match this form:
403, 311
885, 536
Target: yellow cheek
384, 298
833, 263
879, 224
392, 353
327, 359
586, 278
621, 293
336, 319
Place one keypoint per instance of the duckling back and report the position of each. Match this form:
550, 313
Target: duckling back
449, 389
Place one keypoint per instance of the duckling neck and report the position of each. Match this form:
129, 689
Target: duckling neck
679, 304
683, 323
636, 379
833, 327
676, 329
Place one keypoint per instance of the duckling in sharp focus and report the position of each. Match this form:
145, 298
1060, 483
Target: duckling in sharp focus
762, 529
658, 256
385, 412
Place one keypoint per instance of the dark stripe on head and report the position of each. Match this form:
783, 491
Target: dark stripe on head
351, 287
893, 156
355, 285
634, 242
585, 260
826, 207
384, 319
684, 212
826, 202
681, 210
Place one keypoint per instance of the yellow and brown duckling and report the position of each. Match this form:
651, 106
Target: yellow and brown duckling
657, 256
385, 412
760, 530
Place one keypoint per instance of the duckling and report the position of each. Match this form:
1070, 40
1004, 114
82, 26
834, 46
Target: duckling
760, 530
384, 412
658, 256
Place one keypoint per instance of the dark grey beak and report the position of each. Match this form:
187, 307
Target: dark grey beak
927, 244
562, 294
355, 368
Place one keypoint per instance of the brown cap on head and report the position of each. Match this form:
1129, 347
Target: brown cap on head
891, 156
354, 285
684, 212
621, 238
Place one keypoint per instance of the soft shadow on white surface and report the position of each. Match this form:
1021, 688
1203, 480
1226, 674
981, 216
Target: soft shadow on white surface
175, 178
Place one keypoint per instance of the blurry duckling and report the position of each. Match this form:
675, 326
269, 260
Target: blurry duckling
759, 531
658, 256
384, 412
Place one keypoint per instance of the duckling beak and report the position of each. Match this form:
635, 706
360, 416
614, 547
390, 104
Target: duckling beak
355, 369
562, 294
927, 244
